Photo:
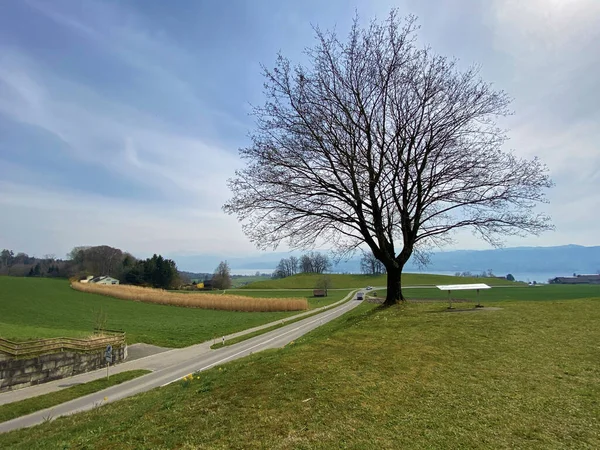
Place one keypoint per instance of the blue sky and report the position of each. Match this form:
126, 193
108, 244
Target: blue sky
120, 120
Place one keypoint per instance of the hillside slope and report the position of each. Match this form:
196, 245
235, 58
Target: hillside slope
407, 377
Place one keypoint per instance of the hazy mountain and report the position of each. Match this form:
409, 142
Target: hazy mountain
564, 259
560, 260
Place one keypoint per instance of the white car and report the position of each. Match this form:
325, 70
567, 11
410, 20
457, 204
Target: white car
369, 288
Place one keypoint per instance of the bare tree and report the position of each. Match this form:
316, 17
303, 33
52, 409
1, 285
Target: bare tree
381, 142
320, 262
324, 283
6, 257
370, 265
285, 268
314, 262
293, 265
222, 276
306, 265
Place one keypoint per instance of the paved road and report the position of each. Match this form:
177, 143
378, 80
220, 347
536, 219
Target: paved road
151, 362
199, 358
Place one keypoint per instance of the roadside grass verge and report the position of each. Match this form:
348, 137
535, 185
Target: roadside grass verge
13, 410
224, 302
34, 308
410, 376
354, 281
283, 323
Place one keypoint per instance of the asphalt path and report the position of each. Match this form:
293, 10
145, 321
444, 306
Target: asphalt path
195, 363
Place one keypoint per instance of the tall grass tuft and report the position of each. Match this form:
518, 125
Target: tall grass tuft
205, 301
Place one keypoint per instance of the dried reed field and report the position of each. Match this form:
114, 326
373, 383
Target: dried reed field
204, 301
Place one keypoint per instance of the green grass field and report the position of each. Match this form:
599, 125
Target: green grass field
411, 376
517, 292
42, 307
352, 281
237, 282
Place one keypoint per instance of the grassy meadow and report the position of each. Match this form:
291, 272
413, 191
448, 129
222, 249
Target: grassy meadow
41, 307
411, 376
500, 293
354, 281
237, 281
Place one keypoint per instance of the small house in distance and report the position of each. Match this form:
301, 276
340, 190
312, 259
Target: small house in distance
104, 280
319, 293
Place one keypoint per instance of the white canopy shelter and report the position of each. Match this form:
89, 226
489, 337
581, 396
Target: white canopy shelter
462, 287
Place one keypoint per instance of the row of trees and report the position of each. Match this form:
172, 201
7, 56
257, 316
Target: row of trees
157, 272
370, 265
312, 262
21, 265
101, 260
97, 260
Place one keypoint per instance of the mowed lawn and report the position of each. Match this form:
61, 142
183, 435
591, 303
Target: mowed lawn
501, 293
41, 307
410, 377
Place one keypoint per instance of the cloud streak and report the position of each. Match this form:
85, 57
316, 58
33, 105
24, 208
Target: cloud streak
71, 218
119, 124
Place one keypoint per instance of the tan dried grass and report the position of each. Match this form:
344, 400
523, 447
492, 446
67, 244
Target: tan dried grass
224, 302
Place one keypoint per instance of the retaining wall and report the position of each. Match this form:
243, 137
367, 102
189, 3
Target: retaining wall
20, 373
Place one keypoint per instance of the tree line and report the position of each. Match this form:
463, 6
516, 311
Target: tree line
99, 260
312, 262
21, 265
156, 271
315, 262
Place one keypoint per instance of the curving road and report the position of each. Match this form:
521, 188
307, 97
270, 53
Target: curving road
190, 360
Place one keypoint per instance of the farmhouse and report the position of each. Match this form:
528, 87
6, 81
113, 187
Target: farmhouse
104, 280
579, 279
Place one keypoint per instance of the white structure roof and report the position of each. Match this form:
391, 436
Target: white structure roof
462, 287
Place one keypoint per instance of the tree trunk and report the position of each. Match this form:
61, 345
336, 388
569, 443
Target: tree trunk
394, 286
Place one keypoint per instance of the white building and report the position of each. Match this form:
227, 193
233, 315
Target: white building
104, 280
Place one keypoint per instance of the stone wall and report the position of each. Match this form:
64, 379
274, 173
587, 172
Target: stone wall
20, 373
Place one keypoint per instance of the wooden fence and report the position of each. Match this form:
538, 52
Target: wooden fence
61, 344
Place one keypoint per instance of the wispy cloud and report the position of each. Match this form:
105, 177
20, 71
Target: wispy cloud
71, 218
116, 136
139, 117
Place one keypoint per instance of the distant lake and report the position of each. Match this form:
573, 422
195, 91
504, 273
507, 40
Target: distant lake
539, 277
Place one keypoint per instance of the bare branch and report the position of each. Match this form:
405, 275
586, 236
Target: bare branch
380, 142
